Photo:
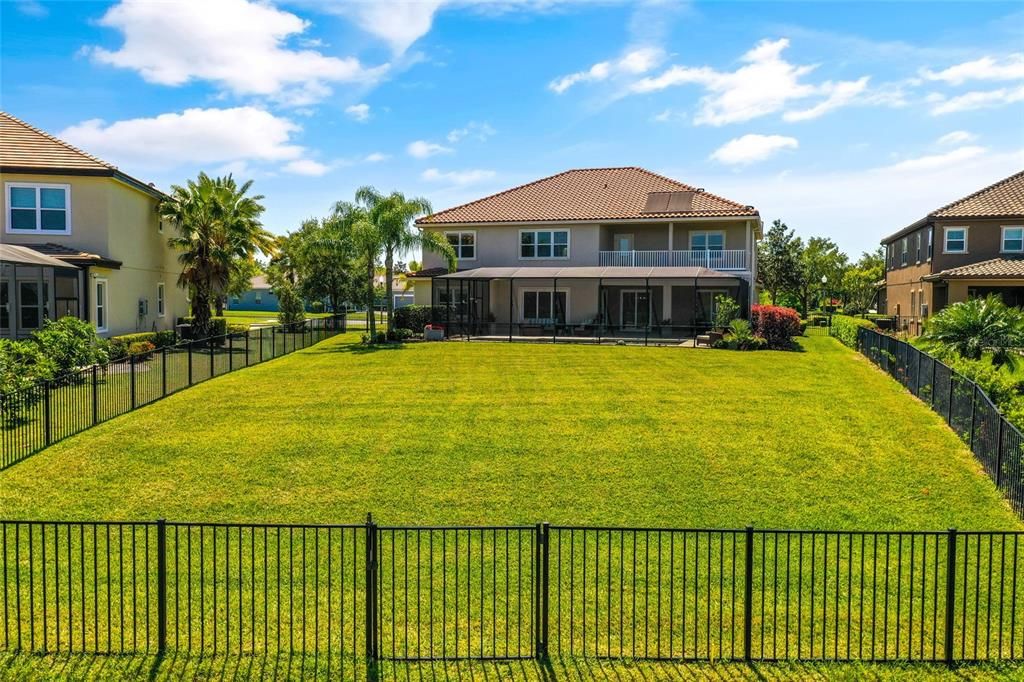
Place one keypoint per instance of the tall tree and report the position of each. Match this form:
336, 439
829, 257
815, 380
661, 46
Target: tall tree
392, 216
324, 255
860, 281
778, 260
820, 258
217, 223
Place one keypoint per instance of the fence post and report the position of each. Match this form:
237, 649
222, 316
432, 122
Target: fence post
231, 353
933, 384
371, 587
273, 344
974, 409
95, 398
949, 404
748, 590
247, 348
190, 362
163, 370
999, 454
161, 586
211, 357
545, 603
917, 392
261, 344
131, 373
950, 592
48, 430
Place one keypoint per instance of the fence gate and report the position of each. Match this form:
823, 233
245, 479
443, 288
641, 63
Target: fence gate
458, 593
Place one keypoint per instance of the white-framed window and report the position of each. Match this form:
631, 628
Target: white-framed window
464, 244
955, 240
1013, 239
707, 241
38, 208
918, 237
540, 305
100, 305
535, 244
922, 303
160, 299
160, 226
931, 242
913, 301
903, 251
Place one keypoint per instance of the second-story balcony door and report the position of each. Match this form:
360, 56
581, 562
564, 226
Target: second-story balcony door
623, 242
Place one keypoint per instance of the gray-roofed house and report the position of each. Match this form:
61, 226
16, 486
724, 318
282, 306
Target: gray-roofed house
597, 252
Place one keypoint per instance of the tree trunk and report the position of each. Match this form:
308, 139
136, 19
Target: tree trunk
200, 314
220, 305
371, 322
389, 268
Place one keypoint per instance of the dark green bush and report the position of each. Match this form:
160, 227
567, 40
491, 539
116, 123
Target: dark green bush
413, 317
71, 343
316, 306
290, 309
22, 367
845, 328
141, 350
402, 334
119, 345
218, 325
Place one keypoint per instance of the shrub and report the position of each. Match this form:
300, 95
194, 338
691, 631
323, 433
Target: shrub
142, 349
22, 367
775, 324
70, 343
726, 310
290, 309
218, 325
402, 334
845, 328
165, 338
977, 326
413, 317
316, 306
120, 345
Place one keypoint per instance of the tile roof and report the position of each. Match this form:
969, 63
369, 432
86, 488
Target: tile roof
1002, 199
587, 194
74, 256
427, 273
25, 148
996, 268
23, 255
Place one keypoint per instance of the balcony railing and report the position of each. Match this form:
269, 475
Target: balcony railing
716, 260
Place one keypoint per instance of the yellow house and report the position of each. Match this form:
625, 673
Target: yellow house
100, 223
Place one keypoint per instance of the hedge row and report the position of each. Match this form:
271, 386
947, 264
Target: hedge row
845, 328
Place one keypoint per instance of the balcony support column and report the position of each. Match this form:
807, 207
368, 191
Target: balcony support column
671, 239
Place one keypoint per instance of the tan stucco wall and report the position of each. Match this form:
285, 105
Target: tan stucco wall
119, 222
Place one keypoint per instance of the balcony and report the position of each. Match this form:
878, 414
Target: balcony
716, 260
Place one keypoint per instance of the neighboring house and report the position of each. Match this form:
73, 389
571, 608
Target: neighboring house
260, 298
105, 253
966, 249
401, 289
587, 252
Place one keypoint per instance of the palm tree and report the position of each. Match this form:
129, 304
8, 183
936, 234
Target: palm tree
366, 242
978, 326
392, 216
217, 226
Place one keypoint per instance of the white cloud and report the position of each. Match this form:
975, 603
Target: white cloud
840, 94
477, 131
376, 157
976, 99
934, 161
32, 8
765, 84
399, 23
752, 148
421, 149
986, 69
306, 167
195, 136
358, 112
466, 177
859, 207
236, 44
957, 137
634, 62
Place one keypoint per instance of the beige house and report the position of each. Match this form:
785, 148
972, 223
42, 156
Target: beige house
106, 251
969, 248
598, 252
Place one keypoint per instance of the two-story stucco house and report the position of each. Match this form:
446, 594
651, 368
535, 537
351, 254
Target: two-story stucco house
966, 249
598, 252
80, 238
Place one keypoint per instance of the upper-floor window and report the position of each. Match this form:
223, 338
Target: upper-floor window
34, 208
544, 243
918, 237
707, 241
956, 240
931, 245
464, 244
903, 252
1013, 238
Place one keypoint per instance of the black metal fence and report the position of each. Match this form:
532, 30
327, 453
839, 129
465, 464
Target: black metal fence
998, 444
352, 595
35, 418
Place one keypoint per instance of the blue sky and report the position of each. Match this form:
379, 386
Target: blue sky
845, 120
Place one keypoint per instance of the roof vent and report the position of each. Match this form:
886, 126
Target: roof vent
669, 202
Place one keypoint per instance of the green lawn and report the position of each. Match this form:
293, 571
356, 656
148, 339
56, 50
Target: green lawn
254, 317
516, 433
